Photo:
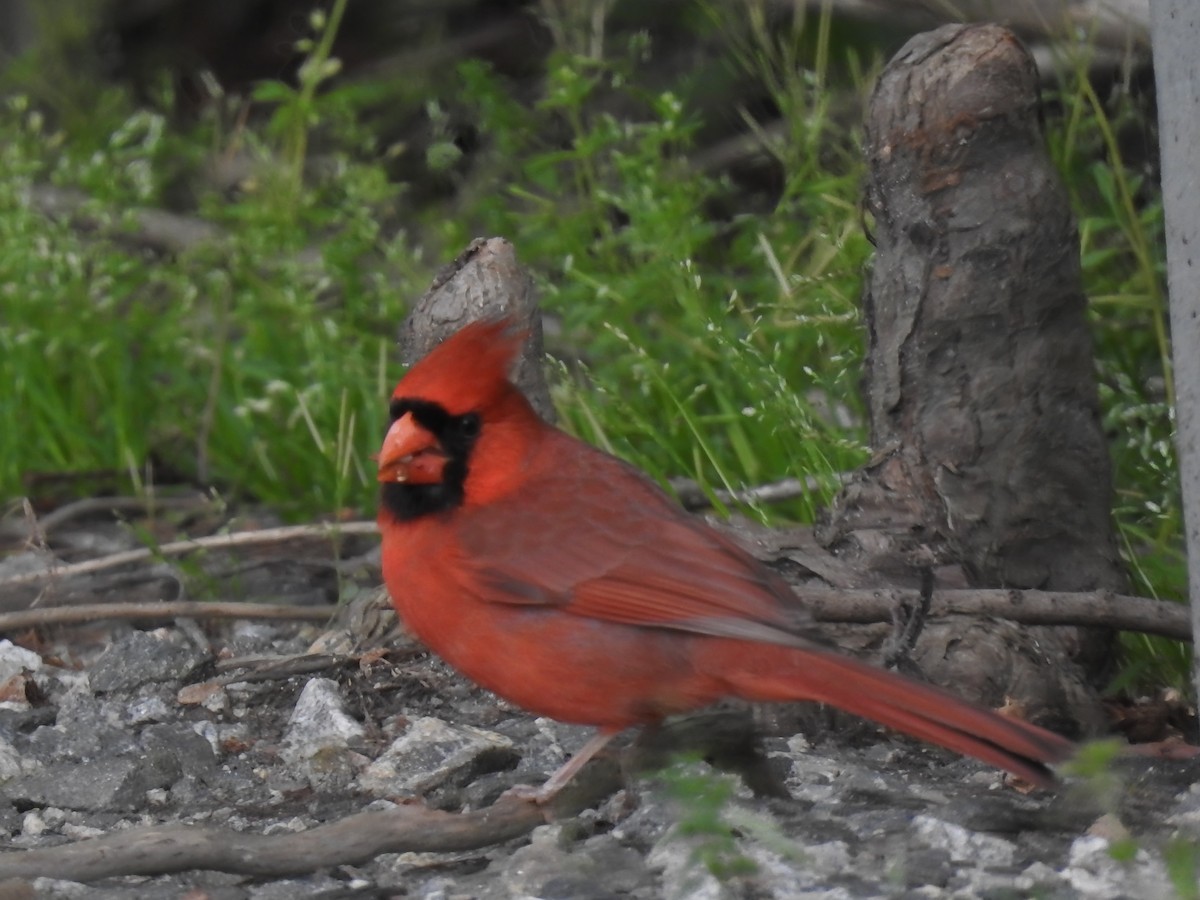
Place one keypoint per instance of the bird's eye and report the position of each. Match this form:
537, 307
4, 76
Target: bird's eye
468, 425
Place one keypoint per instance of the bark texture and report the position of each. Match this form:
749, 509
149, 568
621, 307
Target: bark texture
991, 466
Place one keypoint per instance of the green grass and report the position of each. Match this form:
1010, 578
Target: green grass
1124, 272
700, 334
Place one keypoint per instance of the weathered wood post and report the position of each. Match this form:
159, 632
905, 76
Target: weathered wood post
1175, 30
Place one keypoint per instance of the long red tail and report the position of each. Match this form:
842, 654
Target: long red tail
899, 702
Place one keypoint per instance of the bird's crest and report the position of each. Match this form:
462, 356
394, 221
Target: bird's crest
468, 369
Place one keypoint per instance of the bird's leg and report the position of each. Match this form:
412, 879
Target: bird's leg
547, 791
571, 767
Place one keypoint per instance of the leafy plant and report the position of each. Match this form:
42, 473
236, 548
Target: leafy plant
255, 361
1183, 868
1121, 245
703, 797
297, 111
709, 342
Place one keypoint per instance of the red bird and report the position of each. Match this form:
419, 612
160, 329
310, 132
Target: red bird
564, 580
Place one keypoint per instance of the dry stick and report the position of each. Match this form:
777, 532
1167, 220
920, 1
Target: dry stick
692, 496
155, 229
1031, 607
1103, 608
283, 668
92, 612
179, 548
91, 505
859, 606
1117, 26
161, 850
826, 604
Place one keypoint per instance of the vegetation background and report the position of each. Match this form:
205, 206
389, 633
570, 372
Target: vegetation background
211, 222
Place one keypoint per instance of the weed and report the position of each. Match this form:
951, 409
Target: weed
703, 798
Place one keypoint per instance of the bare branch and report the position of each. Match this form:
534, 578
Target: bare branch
91, 612
157, 230
160, 850
180, 548
1028, 607
827, 604
692, 496
93, 505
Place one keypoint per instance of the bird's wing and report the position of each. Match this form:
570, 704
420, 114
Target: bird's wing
603, 542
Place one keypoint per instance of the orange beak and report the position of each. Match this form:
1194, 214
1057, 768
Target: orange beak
410, 454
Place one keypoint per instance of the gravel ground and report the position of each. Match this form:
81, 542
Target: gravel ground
145, 732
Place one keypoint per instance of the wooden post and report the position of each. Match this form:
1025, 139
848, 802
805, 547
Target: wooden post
1175, 30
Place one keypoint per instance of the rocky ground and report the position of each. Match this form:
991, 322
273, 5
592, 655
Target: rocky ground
236, 727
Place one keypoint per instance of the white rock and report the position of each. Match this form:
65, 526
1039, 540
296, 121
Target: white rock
1037, 874
210, 732
294, 825
683, 876
54, 816
33, 824
12, 763
62, 890
429, 753
147, 709
80, 832
14, 660
1092, 871
319, 723
157, 797
1187, 811
963, 845
801, 874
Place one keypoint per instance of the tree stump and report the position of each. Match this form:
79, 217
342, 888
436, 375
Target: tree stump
990, 467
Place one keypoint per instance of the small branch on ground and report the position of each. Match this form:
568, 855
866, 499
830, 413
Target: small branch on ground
157, 230
692, 496
97, 505
1087, 608
180, 548
92, 612
356, 839
830, 604
1104, 608
277, 668
825, 604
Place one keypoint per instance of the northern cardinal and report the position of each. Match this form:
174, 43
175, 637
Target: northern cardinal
564, 580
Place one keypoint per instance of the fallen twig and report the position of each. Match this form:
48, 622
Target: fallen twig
278, 668
1118, 26
1103, 608
1100, 608
91, 612
179, 548
692, 496
158, 230
161, 850
91, 505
